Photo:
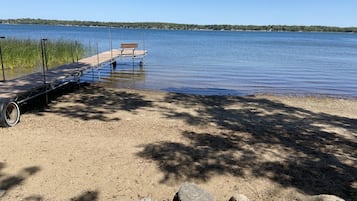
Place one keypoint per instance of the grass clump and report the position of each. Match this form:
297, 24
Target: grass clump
26, 53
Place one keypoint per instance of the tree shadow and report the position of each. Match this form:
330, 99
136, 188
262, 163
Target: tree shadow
94, 103
86, 196
295, 147
8, 182
33, 198
207, 155
2, 165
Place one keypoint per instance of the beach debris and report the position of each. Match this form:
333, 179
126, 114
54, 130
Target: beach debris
239, 197
325, 197
191, 192
145, 199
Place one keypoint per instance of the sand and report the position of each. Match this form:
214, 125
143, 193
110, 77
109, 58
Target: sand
98, 143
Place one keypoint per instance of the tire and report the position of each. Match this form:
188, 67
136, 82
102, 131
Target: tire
10, 114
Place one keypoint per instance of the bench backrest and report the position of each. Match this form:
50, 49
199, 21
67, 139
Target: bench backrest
129, 45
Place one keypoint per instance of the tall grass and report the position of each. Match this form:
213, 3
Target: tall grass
26, 53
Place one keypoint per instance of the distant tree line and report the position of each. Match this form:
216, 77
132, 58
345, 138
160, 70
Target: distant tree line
174, 26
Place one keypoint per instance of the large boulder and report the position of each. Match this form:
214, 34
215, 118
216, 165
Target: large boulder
191, 192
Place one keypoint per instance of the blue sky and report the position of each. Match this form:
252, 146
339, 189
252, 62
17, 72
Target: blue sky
258, 12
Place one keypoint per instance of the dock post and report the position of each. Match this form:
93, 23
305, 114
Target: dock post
72, 52
97, 55
2, 62
98, 64
111, 50
141, 63
44, 64
76, 47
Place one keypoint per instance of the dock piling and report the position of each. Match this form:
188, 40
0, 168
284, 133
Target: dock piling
1, 58
44, 65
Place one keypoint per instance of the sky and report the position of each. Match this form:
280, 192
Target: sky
340, 13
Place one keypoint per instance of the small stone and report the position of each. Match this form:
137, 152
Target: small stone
239, 197
191, 192
145, 199
324, 197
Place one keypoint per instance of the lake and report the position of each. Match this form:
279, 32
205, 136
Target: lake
219, 62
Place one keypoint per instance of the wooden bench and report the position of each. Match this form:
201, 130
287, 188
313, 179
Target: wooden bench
128, 48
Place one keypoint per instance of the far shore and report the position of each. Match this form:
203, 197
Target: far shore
176, 26
123, 144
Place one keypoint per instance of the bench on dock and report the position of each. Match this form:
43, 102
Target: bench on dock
128, 48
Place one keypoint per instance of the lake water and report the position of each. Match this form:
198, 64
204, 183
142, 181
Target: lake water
220, 62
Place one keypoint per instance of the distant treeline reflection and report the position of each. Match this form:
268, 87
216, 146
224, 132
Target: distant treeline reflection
174, 26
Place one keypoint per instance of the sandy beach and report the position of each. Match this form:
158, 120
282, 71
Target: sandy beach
97, 143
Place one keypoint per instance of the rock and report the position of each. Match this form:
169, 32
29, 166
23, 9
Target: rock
2, 193
239, 197
191, 192
145, 199
325, 198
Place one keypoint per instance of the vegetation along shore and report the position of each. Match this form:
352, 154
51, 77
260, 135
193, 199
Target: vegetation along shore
26, 53
175, 26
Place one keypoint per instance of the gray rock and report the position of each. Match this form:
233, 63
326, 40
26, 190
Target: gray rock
145, 199
239, 197
2, 192
325, 198
191, 192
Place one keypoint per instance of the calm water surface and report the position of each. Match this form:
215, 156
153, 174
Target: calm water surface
219, 62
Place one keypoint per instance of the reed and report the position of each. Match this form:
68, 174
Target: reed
26, 53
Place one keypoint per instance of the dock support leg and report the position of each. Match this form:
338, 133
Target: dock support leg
2, 62
44, 64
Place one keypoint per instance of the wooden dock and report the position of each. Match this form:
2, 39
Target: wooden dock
13, 89
16, 91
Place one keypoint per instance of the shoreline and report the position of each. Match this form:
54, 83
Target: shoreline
179, 26
234, 93
124, 144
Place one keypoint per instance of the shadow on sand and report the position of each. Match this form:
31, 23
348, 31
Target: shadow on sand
257, 137
288, 145
86, 196
8, 182
94, 103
